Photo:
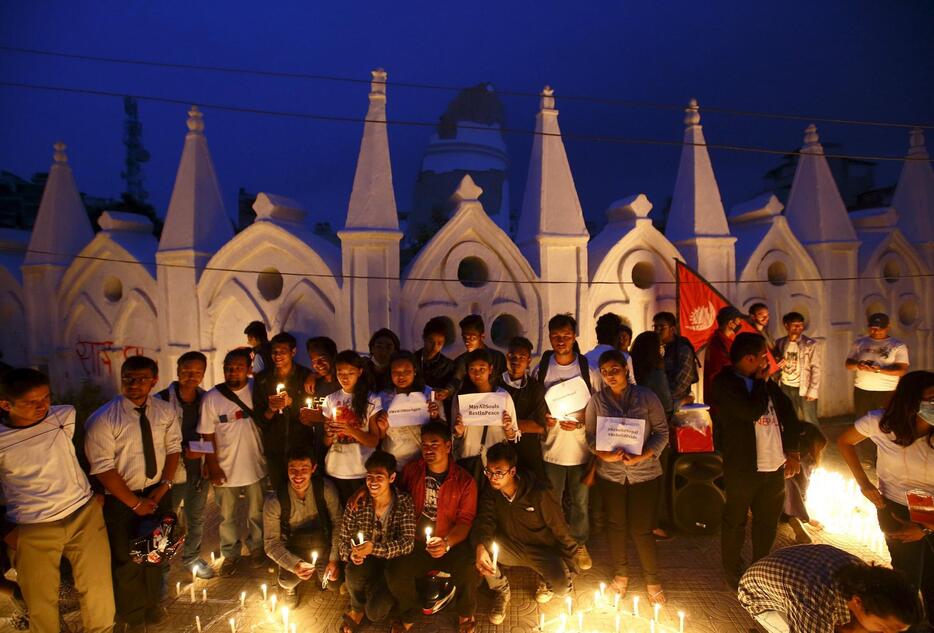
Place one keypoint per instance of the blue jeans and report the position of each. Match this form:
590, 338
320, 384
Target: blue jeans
194, 492
570, 476
228, 499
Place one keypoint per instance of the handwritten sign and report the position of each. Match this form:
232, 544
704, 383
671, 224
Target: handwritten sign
482, 409
408, 409
626, 434
567, 397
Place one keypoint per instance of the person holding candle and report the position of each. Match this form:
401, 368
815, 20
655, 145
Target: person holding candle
404, 442
351, 432
379, 528
758, 435
523, 517
567, 458
299, 520
133, 445
184, 394
445, 498
237, 465
321, 383
904, 436
50, 506
822, 589
629, 483
471, 442
529, 397
278, 410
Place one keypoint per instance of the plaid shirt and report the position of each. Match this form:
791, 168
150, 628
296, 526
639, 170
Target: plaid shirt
798, 582
397, 540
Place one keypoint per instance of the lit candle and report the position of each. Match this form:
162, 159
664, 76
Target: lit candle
564, 621
680, 621
263, 587
656, 608
198, 623
617, 622
428, 534
602, 589
272, 602
307, 403
580, 621
616, 601
569, 602
192, 588
495, 555
541, 621
596, 598
204, 595
651, 626
242, 598
178, 588
635, 606
213, 560
279, 389
292, 628
314, 558
285, 618
194, 574
233, 625
360, 538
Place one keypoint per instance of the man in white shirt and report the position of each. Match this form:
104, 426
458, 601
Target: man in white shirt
879, 360
49, 498
566, 452
237, 466
799, 358
133, 445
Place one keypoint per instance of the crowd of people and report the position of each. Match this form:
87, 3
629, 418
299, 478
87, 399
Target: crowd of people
395, 464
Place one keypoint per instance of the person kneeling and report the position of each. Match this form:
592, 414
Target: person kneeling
380, 528
524, 519
301, 523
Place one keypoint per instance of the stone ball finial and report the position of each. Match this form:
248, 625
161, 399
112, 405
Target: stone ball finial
548, 98
60, 156
692, 113
195, 120
810, 135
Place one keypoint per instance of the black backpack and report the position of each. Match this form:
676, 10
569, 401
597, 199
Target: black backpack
581, 361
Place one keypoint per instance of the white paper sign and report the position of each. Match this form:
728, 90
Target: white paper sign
201, 447
482, 409
565, 398
408, 409
626, 434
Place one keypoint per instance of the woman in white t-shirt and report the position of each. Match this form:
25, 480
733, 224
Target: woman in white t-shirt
350, 424
404, 442
904, 435
471, 442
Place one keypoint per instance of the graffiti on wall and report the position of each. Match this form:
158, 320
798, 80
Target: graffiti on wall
97, 357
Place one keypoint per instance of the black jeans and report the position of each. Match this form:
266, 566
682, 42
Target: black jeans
406, 570
764, 494
545, 562
631, 510
914, 560
366, 585
136, 587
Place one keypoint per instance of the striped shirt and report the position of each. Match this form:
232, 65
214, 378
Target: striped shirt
114, 440
39, 471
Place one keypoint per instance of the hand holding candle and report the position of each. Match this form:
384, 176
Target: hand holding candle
279, 389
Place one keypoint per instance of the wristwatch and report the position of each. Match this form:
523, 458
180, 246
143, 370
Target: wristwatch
447, 546
167, 483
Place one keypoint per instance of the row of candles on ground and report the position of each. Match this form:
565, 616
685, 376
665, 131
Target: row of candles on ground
836, 501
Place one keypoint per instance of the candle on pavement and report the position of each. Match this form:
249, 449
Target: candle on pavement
178, 588
285, 618
569, 603
198, 623
242, 598
635, 606
263, 587
233, 625
617, 622
656, 608
616, 602
580, 621
680, 621
272, 603
204, 595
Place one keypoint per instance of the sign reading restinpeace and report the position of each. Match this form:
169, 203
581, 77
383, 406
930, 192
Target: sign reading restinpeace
408, 409
482, 409
626, 434
565, 398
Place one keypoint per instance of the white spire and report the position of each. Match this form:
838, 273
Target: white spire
815, 210
696, 207
914, 195
551, 206
62, 226
372, 201
196, 218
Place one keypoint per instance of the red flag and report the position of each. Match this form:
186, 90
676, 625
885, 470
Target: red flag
698, 304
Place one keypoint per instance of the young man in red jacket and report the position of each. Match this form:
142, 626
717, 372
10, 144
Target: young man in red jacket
445, 497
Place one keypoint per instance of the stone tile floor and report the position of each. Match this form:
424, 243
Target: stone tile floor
689, 567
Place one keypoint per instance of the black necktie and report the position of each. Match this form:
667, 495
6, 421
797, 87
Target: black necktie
149, 451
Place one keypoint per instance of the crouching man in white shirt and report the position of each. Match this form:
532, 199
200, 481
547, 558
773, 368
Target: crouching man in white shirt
49, 497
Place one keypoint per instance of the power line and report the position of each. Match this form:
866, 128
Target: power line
543, 282
591, 138
449, 88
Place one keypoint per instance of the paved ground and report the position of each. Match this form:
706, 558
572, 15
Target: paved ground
690, 572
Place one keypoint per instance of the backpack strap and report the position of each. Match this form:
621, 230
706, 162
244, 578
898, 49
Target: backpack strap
543, 365
317, 488
228, 393
585, 370
285, 511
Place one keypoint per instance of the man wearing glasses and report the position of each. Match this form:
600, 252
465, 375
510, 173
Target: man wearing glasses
522, 516
680, 359
133, 445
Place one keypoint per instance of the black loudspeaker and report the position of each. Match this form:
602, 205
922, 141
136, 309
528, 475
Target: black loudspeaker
697, 496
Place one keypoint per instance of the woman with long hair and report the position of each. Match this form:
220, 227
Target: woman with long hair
904, 435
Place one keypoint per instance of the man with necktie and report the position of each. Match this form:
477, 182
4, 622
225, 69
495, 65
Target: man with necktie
133, 447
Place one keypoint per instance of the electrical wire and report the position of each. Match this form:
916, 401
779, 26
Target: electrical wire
449, 88
566, 136
532, 282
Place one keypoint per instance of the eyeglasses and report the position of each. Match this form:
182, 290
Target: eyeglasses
496, 475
